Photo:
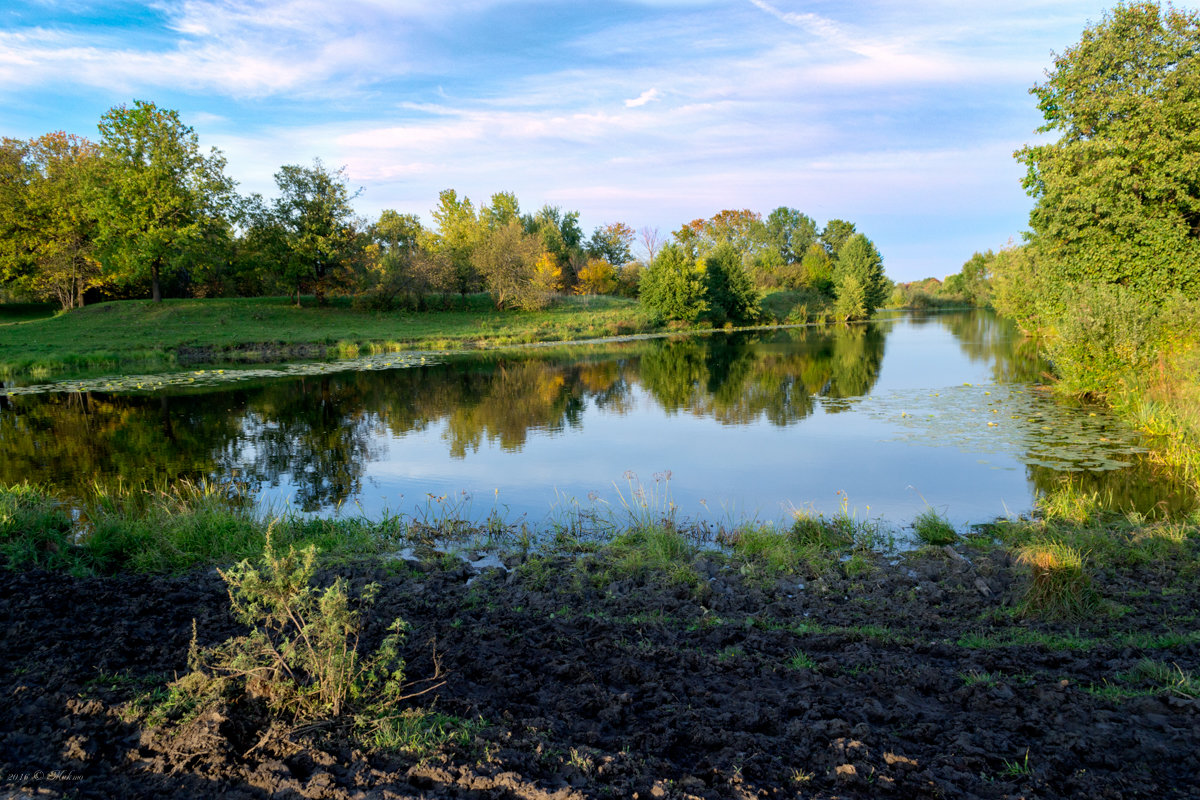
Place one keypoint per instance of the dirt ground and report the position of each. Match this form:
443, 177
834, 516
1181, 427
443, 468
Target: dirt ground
914, 679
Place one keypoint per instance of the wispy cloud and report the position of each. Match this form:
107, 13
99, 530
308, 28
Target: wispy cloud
654, 111
648, 96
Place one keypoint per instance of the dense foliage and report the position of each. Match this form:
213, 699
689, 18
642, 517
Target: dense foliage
736, 256
1119, 192
146, 212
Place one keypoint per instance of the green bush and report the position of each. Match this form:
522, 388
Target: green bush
673, 287
301, 655
1107, 333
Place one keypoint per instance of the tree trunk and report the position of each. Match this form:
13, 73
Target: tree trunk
155, 289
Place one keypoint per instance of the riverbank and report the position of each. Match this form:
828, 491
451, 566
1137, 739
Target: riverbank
812, 661
142, 335
136, 333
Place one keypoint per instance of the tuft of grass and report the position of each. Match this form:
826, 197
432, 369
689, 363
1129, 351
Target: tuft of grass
934, 529
1166, 678
978, 678
417, 732
1018, 769
818, 532
801, 661
1058, 587
653, 551
770, 552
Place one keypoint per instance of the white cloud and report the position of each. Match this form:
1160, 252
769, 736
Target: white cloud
648, 96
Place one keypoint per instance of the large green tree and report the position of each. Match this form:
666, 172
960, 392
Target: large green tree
47, 233
157, 194
673, 286
728, 287
457, 231
1118, 194
861, 262
507, 257
790, 232
319, 229
835, 235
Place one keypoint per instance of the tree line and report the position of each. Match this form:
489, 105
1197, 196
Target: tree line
144, 210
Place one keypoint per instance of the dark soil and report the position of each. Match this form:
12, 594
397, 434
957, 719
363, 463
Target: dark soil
914, 679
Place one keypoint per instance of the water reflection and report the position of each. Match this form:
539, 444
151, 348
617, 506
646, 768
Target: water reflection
329, 439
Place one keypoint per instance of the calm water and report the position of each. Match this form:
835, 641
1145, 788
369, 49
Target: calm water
940, 409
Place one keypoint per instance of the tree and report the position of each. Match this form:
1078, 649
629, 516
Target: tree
818, 268
1019, 286
47, 233
561, 236
612, 243
1118, 195
851, 304
835, 235
790, 233
741, 228
397, 266
458, 231
860, 259
673, 286
317, 222
728, 288
503, 210
597, 277
508, 259
652, 242
156, 194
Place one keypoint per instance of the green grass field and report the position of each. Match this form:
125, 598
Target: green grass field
140, 333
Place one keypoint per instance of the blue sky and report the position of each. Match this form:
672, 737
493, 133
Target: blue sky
901, 117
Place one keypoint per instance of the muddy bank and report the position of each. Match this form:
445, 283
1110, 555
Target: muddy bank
909, 679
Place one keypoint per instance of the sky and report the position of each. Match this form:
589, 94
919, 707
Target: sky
901, 117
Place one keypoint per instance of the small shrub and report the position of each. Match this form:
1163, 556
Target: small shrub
1059, 586
301, 655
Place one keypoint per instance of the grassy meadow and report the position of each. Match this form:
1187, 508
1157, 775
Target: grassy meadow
142, 333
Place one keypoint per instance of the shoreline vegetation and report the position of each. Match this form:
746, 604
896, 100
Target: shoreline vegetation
133, 334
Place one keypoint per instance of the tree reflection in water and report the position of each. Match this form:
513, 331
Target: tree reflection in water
317, 435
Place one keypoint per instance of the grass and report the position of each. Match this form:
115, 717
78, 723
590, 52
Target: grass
16, 313
167, 530
418, 732
978, 678
135, 332
1149, 678
801, 661
1058, 586
657, 551
1111, 540
933, 529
